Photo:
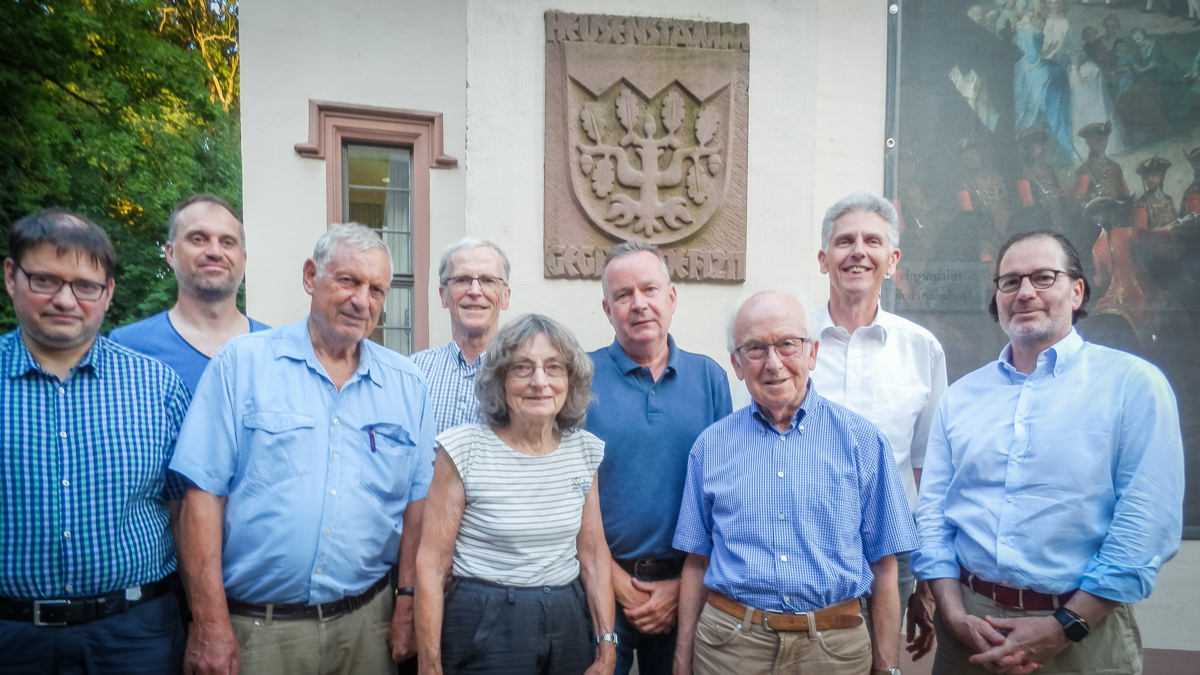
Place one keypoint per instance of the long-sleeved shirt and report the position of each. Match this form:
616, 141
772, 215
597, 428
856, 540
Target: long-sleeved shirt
1070, 477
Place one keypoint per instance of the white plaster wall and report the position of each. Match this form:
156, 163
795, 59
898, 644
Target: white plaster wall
408, 55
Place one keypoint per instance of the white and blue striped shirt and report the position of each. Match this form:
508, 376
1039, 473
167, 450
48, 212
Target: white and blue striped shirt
83, 471
792, 520
451, 385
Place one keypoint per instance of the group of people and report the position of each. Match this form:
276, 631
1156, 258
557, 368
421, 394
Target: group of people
198, 493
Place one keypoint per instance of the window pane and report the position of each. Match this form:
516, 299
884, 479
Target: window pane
378, 194
395, 329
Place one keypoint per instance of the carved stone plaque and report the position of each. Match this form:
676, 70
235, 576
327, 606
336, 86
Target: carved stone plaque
646, 123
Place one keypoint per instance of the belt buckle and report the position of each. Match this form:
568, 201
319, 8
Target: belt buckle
764, 624
37, 612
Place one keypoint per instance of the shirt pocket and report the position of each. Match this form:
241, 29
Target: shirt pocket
386, 471
275, 440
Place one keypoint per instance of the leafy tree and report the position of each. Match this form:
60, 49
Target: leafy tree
109, 111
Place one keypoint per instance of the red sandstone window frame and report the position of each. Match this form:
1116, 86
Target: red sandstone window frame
332, 125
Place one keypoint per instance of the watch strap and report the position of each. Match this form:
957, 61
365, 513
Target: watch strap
1075, 627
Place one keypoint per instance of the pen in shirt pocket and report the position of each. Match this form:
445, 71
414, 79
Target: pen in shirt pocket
371, 435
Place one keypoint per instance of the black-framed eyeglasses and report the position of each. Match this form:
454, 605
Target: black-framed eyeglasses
1041, 280
486, 283
48, 284
785, 348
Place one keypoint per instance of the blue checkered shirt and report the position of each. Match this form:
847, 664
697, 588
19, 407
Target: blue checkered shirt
451, 385
83, 488
792, 520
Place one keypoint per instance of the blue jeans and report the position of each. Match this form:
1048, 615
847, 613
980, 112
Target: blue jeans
145, 640
654, 652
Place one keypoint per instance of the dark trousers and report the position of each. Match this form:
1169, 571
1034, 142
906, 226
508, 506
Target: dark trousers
506, 630
655, 653
145, 640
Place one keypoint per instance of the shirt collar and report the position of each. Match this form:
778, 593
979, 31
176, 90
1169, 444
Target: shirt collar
459, 358
811, 401
17, 359
878, 327
627, 365
294, 342
1055, 359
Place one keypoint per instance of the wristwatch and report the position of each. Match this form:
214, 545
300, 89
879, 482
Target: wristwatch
886, 671
1074, 626
607, 637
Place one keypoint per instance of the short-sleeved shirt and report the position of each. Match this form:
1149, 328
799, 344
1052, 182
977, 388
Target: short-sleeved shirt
648, 428
451, 384
83, 471
792, 520
317, 479
156, 336
523, 512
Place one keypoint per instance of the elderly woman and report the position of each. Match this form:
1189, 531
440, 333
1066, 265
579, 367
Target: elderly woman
513, 511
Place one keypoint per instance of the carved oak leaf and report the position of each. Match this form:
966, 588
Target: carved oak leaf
627, 109
697, 185
672, 111
592, 119
675, 214
706, 125
602, 178
621, 211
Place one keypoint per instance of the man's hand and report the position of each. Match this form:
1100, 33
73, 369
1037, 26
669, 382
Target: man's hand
973, 632
919, 624
211, 650
1030, 641
627, 595
400, 636
658, 613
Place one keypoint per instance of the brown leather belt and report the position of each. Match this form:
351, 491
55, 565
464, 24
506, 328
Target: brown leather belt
323, 612
1016, 598
845, 614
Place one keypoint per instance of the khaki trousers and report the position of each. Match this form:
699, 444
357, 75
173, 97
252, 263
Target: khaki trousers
726, 645
351, 644
1112, 648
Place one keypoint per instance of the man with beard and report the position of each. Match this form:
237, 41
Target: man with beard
206, 248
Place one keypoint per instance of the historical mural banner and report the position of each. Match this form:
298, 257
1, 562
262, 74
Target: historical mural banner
646, 140
1078, 117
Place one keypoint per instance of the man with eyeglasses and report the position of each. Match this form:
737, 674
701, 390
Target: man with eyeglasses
1052, 492
652, 399
206, 249
87, 428
792, 511
473, 285
859, 340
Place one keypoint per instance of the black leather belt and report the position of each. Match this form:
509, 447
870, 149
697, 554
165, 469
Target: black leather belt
652, 569
73, 611
297, 612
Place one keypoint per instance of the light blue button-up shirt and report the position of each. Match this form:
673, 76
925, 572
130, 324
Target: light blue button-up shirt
317, 479
792, 520
1070, 477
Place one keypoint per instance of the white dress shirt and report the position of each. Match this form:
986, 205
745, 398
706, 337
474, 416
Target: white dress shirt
891, 372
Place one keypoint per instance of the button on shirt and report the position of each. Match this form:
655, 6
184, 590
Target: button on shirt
892, 372
1070, 477
451, 384
792, 520
83, 471
648, 428
317, 479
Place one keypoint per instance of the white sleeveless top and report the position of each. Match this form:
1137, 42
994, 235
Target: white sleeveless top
522, 512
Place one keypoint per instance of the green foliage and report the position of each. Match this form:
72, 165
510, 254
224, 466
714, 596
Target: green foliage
107, 112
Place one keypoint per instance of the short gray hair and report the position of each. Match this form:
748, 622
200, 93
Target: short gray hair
203, 198
490, 380
462, 245
810, 326
628, 248
865, 202
356, 237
